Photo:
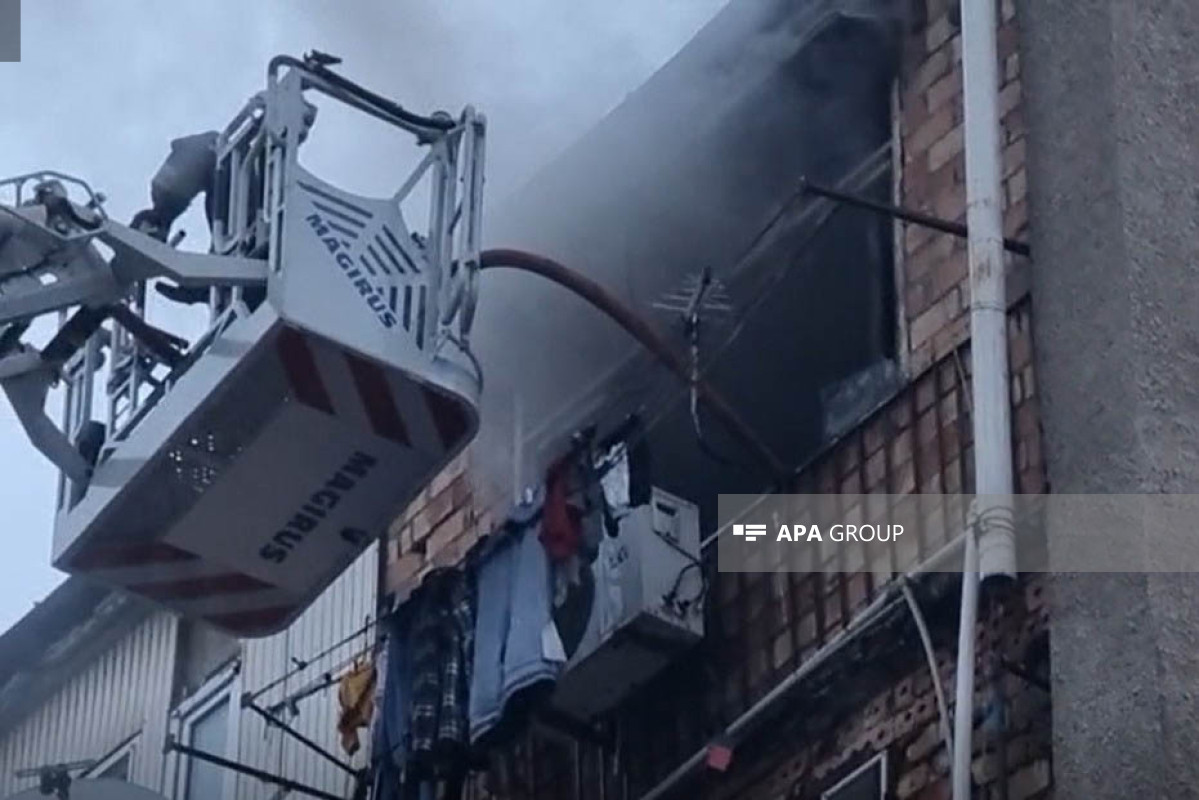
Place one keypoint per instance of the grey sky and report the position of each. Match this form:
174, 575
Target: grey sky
103, 87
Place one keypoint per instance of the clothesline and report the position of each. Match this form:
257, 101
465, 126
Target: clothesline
327, 679
302, 665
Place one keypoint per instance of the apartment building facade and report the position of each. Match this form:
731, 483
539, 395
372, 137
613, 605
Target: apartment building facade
820, 684
819, 701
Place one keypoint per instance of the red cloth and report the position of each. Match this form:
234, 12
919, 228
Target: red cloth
561, 525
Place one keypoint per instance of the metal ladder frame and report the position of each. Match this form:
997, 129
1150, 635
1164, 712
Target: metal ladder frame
70, 273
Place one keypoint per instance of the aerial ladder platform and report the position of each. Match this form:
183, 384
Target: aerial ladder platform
233, 478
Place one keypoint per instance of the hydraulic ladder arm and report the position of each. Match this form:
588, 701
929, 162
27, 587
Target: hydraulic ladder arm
49, 262
234, 478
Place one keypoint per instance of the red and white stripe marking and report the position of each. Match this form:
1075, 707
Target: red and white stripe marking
174, 577
341, 383
321, 377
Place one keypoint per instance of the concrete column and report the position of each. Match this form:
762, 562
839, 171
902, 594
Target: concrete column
1111, 93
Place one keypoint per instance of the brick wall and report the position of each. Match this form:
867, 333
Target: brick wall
446, 519
761, 627
933, 176
439, 527
902, 721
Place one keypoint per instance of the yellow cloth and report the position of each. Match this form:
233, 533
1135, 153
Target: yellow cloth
356, 695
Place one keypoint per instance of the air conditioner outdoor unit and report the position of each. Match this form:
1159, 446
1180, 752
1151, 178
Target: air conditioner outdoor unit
646, 607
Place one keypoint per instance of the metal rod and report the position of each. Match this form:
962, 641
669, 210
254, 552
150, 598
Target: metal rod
271, 719
244, 769
914, 217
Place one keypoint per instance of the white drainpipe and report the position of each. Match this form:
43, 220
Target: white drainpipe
963, 707
995, 555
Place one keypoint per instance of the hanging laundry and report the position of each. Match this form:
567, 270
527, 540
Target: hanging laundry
588, 502
614, 466
561, 531
422, 738
623, 464
517, 660
609, 579
442, 651
356, 696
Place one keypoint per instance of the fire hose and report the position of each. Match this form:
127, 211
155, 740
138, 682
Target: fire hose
636, 326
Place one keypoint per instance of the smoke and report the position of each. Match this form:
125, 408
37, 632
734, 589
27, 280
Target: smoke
681, 177
104, 87
543, 71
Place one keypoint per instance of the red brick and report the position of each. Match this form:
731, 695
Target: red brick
915, 237
872, 441
925, 260
939, 123
1008, 39
948, 273
918, 295
460, 490
1013, 125
449, 554
901, 414
926, 393
942, 312
934, 67
937, 33
920, 356
955, 48
938, 790
448, 474
420, 526
876, 467
942, 91
950, 204
1013, 157
402, 570
915, 112
452, 528
901, 448
1009, 98
1015, 219
946, 148
912, 782
903, 479
1017, 388
1011, 66
1017, 187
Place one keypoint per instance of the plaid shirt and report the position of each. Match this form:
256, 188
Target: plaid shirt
442, 641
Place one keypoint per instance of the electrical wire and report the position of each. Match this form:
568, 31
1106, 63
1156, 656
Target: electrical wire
931, 656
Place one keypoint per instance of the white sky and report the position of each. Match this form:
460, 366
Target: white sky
104, 86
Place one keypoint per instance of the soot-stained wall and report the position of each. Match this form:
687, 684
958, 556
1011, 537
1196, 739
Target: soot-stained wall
686, 174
